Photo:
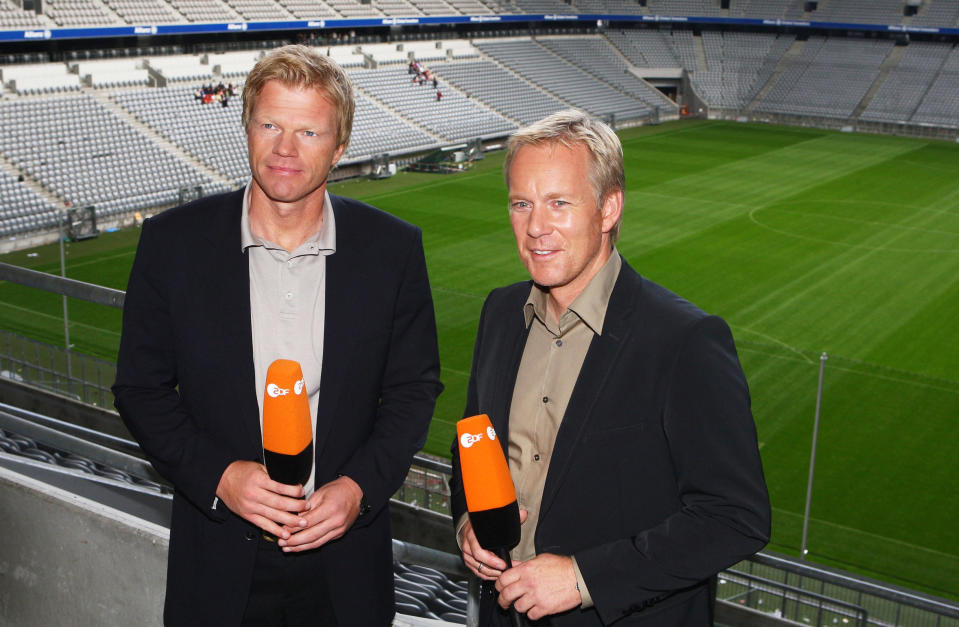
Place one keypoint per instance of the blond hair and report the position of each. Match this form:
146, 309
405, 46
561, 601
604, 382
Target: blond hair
304, 68
571, 128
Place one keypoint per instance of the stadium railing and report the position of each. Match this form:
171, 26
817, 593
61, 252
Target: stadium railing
775, 586
901, 128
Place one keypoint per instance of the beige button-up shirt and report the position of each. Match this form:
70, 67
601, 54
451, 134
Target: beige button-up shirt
551, 362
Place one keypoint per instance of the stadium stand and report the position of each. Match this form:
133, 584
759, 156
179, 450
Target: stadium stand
594, 55
182, 67
23, 209
259, 10
645, 48
738, 65
85, 154
39, 78
231, 65
500, 89
205, 11
542, 6
768, 9
308, 9
904, 88
13, 16
454, 117
609, 7
145, 11
861, 11
940, 105
212, 134
937, 14
685, 7
829, 78
425, 51
564, 80
108, 73
80, 13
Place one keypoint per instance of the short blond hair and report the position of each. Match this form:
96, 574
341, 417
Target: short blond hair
571, 128
304, 68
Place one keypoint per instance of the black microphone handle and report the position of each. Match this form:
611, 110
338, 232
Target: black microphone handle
517, 618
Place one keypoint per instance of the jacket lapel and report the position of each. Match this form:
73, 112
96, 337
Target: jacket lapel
341, 270
599, 365
231, 271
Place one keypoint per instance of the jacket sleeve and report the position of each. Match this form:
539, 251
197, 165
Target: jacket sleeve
724, 513
145, 390
410, 386
457, 496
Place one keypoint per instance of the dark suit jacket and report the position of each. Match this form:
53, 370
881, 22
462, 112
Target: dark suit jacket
185, 389
655, 483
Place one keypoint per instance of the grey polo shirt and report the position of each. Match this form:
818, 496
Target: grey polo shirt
288, 304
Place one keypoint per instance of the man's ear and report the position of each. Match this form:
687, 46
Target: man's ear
612, 209
337, 154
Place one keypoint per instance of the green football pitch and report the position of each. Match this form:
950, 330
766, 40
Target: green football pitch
805, 241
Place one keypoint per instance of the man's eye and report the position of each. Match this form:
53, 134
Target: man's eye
519, 206
309, 133
268, 126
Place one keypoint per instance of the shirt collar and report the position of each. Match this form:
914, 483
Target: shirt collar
590, 306
323, 241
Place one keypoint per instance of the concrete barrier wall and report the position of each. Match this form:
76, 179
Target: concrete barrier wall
66, 560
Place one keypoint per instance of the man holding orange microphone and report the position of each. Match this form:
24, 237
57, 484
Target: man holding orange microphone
621, 408
224, 287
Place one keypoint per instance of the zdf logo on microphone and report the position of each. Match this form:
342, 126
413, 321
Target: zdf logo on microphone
469, 439
274, 390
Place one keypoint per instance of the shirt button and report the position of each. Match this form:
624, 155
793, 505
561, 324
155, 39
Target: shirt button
536, 457
289, 296
559, 342
545, 399
250, 535
291, 262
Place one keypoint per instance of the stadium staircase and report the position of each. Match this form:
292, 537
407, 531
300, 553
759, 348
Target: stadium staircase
781, 67
521, 77
28, 181
888, 64
395, 112
702, 65
929, 86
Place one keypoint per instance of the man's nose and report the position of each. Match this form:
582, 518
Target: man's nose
285, 145
539, 222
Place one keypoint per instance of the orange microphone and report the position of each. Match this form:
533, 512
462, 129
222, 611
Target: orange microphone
487, 484
287, 428
489, 491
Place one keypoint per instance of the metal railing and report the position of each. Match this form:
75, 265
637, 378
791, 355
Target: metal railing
806, 584
47, 367
788, 602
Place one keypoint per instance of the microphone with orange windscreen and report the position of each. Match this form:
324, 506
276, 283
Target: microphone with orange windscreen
287, 428
490, 495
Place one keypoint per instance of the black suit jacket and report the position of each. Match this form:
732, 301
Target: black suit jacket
185, 389
655, 483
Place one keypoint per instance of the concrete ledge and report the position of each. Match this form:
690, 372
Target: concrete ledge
67, 560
